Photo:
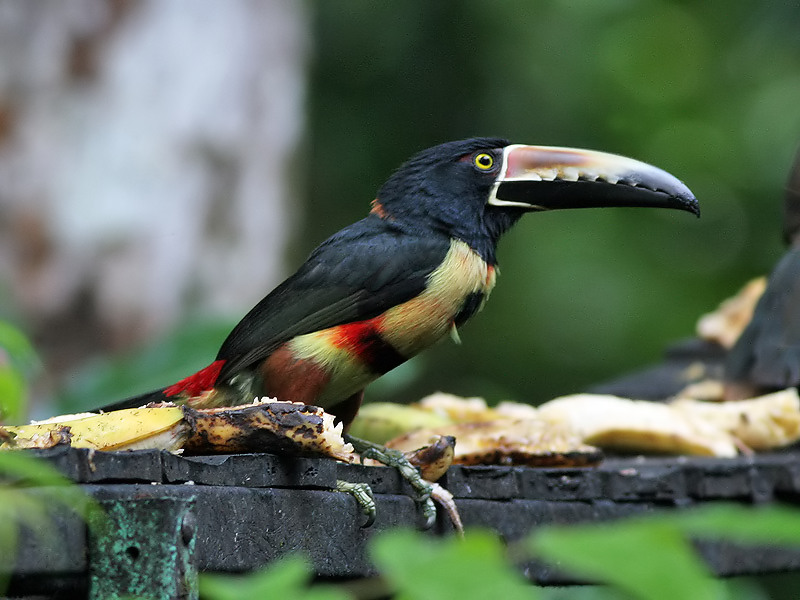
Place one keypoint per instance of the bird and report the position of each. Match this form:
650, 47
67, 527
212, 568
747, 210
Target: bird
415, 269
766, 356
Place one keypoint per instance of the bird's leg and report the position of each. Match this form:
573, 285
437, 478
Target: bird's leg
445, 498
396, 459
363, 495
346, 411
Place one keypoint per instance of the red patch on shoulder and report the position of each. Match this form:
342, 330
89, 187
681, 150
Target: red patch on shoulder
363, 339
356, 336
377, 209
196, 384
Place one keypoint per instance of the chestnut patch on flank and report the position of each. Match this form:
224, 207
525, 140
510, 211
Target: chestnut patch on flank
291, 379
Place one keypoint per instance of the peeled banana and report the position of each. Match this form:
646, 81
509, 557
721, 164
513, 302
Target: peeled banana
263, 426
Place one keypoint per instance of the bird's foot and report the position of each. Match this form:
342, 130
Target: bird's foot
445, 499
396, 459
363, 495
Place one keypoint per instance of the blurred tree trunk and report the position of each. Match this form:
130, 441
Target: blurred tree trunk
146, 152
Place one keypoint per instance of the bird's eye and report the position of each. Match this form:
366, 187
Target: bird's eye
483, 161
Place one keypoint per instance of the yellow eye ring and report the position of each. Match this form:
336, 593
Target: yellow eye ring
483, 161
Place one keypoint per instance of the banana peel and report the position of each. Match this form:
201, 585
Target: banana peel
281, 427
506, 435
685, 426
263, 426
764, 423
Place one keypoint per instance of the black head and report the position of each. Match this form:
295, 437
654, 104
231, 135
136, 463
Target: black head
475, 189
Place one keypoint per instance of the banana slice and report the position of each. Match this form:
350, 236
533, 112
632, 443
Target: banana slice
725, 325
129, 429
762, 423
636, 426
567, 430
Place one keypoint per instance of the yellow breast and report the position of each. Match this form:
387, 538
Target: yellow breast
414, 325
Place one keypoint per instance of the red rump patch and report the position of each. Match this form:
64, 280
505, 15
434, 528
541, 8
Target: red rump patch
196, 384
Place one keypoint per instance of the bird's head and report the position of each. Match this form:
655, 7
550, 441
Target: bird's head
475, 189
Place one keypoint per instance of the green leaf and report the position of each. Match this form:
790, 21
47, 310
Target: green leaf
33, 506
19, 349
419, 567
650, 556
650, 559
13, 394
17, 360
24, 469
773, 525
286, 578
8, 537
23, 466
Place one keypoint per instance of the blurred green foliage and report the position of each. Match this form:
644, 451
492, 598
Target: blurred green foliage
287, 578
18, 471
18, 363
647, 558
651, 557
21, 507
422, 568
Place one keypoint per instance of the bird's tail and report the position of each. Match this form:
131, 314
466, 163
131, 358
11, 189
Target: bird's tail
136, 401
197, 385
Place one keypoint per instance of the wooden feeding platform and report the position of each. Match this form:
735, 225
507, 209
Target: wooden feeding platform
172, 516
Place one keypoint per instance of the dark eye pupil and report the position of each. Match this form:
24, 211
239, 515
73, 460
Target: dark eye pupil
484, 160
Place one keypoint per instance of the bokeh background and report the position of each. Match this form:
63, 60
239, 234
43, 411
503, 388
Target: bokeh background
164, 164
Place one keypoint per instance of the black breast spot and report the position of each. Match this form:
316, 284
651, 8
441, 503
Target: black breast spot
378, 355
470, 306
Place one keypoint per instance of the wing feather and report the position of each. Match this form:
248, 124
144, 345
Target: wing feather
355, 275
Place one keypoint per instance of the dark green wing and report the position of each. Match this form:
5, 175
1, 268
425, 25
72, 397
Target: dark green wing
357, 274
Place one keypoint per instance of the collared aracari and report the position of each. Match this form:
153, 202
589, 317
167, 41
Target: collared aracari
419, 265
